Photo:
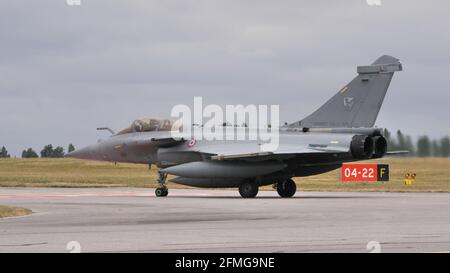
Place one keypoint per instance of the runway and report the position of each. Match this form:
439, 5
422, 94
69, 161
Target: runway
133, 220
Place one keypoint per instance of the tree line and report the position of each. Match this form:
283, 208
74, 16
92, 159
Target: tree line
47, 152
424, 146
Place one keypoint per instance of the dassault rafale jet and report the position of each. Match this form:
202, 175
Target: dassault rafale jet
342, 130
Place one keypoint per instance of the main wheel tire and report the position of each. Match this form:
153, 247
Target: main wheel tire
161, 192
286, 188
248, 189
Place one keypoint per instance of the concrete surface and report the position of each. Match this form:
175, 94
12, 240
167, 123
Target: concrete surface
133, 220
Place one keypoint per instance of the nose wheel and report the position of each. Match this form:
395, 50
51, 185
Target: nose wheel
162, 190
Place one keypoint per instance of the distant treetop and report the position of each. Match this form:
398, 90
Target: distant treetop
4, 153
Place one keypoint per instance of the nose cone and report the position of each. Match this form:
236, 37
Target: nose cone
84, 153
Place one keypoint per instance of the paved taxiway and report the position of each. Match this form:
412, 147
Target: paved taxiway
133, 220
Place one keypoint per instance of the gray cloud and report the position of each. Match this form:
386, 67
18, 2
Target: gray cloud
66, 70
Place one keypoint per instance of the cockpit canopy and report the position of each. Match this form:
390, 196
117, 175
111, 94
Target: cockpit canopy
150, 125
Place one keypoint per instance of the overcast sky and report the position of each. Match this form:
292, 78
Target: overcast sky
65, 70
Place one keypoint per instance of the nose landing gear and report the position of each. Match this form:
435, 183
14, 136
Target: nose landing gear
162, 190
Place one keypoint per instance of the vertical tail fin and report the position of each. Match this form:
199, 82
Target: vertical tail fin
358, 103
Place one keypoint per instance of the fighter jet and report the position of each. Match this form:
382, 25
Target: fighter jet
342, 130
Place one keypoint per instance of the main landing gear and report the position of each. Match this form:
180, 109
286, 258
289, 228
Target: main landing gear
248, 189
286, 188
162, 189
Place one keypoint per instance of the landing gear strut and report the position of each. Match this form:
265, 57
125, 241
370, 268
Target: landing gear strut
286, 188
248, 189
162, 190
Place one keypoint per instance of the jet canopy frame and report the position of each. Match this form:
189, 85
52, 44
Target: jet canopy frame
150, 125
